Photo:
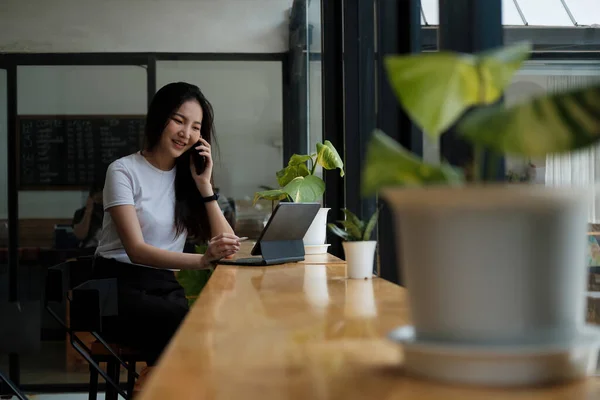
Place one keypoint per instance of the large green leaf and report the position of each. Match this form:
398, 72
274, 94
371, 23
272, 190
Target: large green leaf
273, 195
297, 159
296, 167
435, 89
305, 189
193, 281
371, 225
290, 172
497, 68
390, 164
550, 124
328, 157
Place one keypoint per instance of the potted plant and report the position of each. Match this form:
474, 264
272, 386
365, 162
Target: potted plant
298, 183
486, 263
359, 249
193, 281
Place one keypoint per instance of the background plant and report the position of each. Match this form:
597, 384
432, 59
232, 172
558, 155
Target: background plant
298, 182
352, 228
193, 281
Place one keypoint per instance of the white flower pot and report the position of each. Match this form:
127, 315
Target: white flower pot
359, 258
317, 232
493, 265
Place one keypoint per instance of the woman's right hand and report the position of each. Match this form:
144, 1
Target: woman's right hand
221, 246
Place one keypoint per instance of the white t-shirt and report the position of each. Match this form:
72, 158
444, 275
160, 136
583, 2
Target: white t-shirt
133, 180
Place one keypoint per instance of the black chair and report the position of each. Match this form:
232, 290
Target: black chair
90, 301
16, 391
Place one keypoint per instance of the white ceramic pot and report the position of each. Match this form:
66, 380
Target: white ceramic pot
359, 258
317, 232
499, 264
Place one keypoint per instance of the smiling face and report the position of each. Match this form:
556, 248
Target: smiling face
182, 130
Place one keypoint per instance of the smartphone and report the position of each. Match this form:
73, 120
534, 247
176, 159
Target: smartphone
199, 161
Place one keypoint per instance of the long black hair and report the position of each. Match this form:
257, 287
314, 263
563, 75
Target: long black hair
190, 210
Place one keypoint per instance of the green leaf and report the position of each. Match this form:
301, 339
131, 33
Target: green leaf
353, 230
328, 157
435, 89
498, 66
273, 195
296, 167
297, 159
200, 249
339, 232
350, 216
371, 225
305, 189
550, 124
193, 281
390, 164
290, 172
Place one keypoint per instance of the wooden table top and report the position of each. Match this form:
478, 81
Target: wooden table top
305, 332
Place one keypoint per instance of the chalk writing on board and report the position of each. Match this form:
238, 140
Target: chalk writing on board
73, 150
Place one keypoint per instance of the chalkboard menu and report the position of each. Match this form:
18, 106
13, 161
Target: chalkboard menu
72, 151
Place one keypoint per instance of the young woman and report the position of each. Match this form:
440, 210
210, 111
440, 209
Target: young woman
153, 200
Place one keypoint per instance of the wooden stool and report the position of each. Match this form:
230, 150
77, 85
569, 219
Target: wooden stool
113, 368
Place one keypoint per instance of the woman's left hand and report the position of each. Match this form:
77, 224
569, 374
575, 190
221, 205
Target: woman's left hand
203, 180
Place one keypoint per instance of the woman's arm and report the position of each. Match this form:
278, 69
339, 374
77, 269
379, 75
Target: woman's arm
128, 227
216, 218
218, 223
81, 228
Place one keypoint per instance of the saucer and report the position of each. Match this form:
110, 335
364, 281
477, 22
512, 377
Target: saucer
316, 248
489, 365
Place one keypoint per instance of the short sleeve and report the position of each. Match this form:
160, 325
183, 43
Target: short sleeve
118, 187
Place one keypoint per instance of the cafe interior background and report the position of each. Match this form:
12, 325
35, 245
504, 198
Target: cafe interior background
282, 75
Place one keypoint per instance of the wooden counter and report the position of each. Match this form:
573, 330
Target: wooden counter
305, 332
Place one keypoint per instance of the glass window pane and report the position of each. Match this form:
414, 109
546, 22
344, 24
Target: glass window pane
430, 10
51, 92
3, 200
537, 78
585, 12
315, 114
548, 13
3, 156
536, 12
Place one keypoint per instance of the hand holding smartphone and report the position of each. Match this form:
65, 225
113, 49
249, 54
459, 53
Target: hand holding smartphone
199, 161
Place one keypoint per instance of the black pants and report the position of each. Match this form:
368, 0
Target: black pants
152, 304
